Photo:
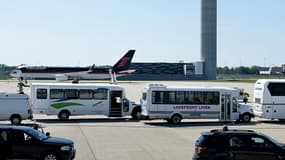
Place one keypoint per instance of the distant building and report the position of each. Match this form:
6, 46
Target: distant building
272, 70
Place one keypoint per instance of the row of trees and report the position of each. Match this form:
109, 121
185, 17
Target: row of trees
5, 71
238, 70
4, 67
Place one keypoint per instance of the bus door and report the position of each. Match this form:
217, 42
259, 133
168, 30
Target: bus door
225, 113
115, 103
278, 107
268, 109
235, 109
40, 100
156, 101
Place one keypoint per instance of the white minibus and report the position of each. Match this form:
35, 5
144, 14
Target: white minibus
176, 103
66, 99
269, 99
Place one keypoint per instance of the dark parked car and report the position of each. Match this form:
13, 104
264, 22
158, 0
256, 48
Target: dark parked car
228, 144
24, 142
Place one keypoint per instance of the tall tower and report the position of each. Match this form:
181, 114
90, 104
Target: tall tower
209, 38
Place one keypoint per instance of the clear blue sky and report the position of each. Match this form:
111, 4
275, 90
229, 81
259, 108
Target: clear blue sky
85, 32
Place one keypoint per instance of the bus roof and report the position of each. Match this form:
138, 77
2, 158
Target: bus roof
201, 88
77, 85
263, 81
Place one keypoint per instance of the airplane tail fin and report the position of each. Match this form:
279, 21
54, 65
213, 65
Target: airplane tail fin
125, 62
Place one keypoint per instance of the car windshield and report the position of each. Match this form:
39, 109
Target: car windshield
37, 134
272, 140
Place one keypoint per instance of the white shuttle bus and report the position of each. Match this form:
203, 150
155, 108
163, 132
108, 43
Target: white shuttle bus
67, 99
176, 103
269, 99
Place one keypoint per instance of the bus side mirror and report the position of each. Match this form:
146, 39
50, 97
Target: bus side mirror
126, 104
245, 99
48, 134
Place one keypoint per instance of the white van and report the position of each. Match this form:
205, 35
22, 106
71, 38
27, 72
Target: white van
15, 107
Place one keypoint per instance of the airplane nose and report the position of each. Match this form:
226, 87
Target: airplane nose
13, 73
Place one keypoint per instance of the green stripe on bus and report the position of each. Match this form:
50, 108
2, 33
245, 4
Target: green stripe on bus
65, 104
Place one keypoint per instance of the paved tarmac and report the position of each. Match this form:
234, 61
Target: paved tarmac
101, 138
98, 138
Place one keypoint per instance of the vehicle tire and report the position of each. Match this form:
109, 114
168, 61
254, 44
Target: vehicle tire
176, 119
136, 113
64, 115
15, 119
246, 117
50, 156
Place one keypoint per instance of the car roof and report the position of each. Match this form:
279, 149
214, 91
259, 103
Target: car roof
15, 127
226, 131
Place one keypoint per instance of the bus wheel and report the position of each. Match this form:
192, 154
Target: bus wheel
246, 117
176, 119
136, 113
63, 115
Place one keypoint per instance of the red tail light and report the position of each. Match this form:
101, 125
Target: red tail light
201, 149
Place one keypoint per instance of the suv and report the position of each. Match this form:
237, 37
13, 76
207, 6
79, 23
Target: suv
228, 144
24, 142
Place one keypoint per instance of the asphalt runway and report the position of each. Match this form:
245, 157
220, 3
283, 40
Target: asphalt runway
101, 138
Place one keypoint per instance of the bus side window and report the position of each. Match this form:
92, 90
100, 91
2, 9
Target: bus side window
197, 96
189, 97
41, 93
216, 97
156, 99
71, 94
85, 94
276, 89
100, 94
180, 97
56, 94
